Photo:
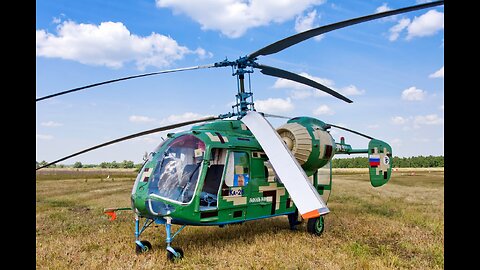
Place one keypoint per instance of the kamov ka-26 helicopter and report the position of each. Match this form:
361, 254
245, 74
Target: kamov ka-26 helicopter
226, 171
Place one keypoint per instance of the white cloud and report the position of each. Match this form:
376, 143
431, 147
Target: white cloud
413, 94
374, 126
351, 90
110, 44
307, 22
44, 137
51, 124
384, 8
427, 24
437, 74
431, 119
301, 91
398, 120
234, 17
140, 119
274, 105
177, 118
395, 30
323, 110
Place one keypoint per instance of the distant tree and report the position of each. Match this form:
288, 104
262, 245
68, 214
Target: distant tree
127, 164
114, 165
78, 164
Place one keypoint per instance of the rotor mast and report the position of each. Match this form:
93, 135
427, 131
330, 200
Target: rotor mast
244, 97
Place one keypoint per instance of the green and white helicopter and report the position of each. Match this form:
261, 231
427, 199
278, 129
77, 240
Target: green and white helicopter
236, 167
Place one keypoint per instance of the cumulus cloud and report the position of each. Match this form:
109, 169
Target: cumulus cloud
398, 120
384, 8
51, 124
301, 91
274, 105
323, 110
307, 22
395, 30
177, 118
437, 74
427, 24
430, 119
110, 44
234, 17
413, 94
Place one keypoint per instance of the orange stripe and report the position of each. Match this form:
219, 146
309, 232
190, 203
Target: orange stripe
311, 214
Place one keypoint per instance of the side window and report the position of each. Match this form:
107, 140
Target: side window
238, 169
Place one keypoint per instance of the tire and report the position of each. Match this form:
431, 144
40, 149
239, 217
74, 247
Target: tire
147, 246
171, 256
316, 225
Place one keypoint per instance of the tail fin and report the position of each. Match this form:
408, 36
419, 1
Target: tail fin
379, 162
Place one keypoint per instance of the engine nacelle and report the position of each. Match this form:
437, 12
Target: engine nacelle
309, 142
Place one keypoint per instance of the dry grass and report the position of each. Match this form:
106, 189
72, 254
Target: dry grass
399, 225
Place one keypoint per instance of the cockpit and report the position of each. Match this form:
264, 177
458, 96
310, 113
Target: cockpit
177, 170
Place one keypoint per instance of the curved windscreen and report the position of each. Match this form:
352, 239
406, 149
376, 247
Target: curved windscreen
176, 173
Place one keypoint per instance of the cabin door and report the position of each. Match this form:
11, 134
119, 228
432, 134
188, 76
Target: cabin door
235, 187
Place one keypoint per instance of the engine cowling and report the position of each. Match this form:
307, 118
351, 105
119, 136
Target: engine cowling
309, 142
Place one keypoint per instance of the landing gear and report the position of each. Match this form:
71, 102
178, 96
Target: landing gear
173, 253
316, 225
293, 220
142, 246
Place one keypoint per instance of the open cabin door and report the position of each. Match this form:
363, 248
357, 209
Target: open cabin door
223, 197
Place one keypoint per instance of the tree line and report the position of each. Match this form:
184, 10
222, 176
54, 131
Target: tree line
355, 162
126, 164
397, 162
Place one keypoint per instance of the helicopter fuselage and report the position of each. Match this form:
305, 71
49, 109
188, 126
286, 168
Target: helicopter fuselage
214, 174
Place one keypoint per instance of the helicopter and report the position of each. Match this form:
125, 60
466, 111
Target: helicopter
236, 167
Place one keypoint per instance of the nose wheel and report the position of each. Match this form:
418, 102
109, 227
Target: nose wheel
142, 246
174, 253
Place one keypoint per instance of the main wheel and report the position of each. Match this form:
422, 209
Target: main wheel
172, 256
316, 225
146, 247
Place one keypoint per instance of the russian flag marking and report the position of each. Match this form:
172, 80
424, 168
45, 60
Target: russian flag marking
374, 160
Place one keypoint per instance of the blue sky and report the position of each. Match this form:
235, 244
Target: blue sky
391, 68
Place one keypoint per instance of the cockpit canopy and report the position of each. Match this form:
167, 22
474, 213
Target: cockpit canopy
177, 170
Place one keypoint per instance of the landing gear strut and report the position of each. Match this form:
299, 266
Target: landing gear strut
173, 253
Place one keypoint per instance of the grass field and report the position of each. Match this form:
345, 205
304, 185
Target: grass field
399, 225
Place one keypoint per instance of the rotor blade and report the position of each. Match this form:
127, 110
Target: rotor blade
304, 195
276, 72
274, 116
353, 131
292, 40
177, 125
123, 79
